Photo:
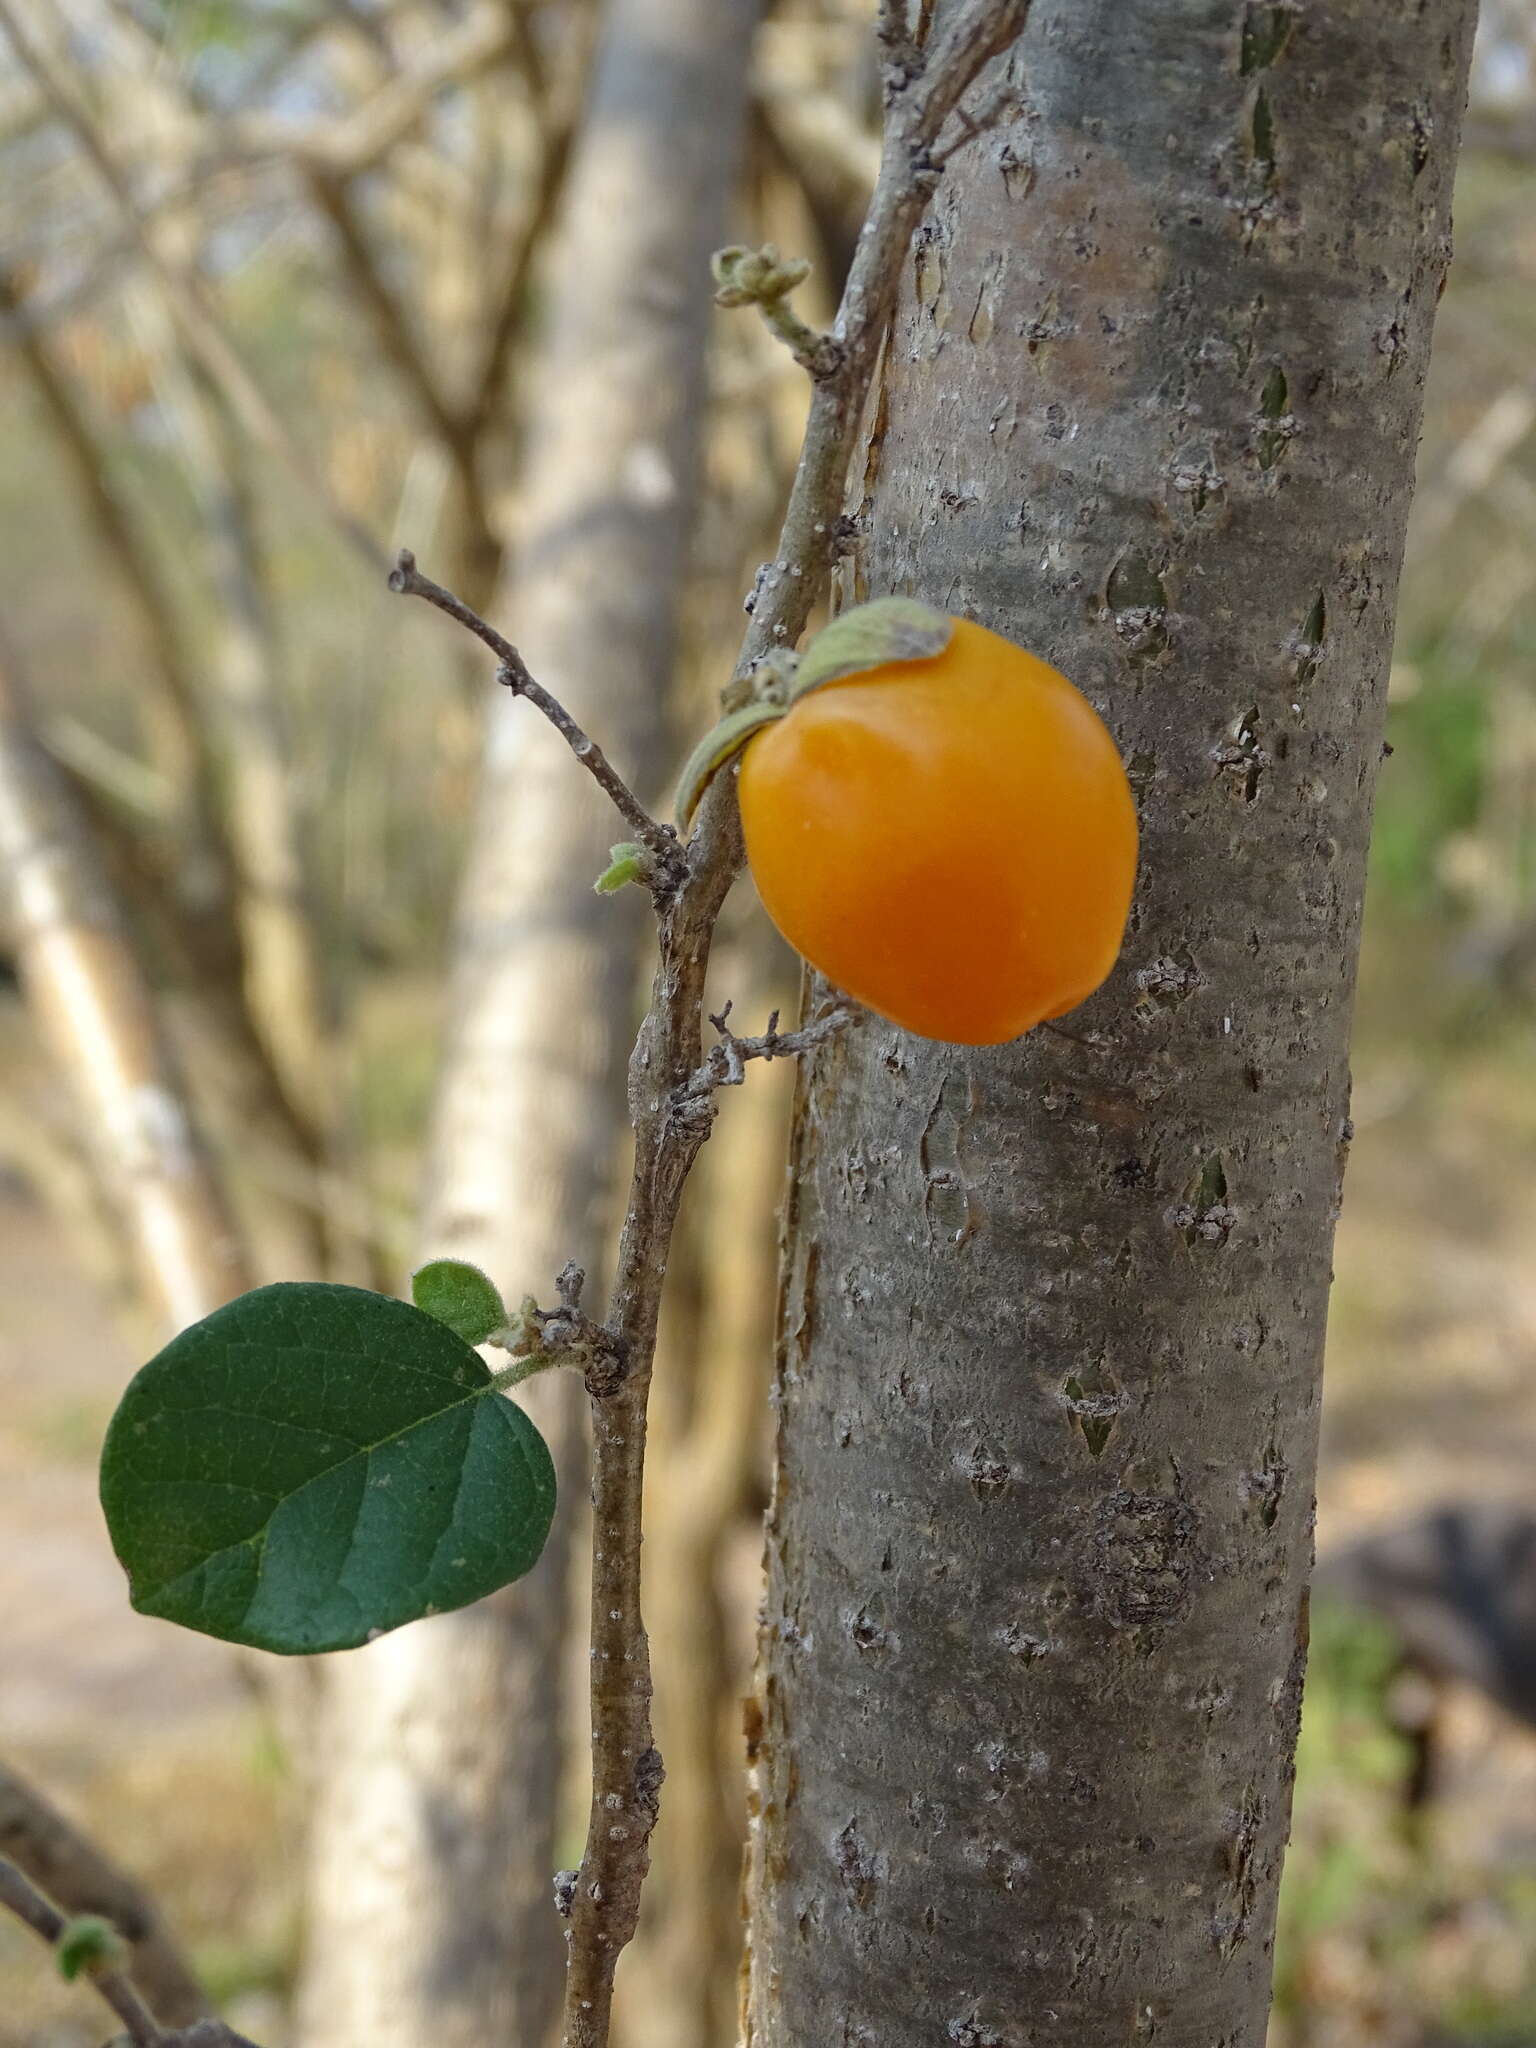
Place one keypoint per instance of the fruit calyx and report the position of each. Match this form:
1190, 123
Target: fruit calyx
867, 636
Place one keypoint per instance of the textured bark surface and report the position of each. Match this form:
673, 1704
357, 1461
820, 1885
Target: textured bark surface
432, 1912
1053, 1314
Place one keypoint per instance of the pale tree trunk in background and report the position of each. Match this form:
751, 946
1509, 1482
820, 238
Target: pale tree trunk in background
95, 1015
1053, 1314
434, 1828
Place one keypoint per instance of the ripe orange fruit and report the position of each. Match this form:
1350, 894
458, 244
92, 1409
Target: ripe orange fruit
952, 840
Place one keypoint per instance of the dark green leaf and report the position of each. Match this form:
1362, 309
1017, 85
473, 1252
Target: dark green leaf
460, 1295
312, 1465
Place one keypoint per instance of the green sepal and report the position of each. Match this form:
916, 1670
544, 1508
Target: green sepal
460, 1295
869, 636
626, 863
87, 1946
715, 749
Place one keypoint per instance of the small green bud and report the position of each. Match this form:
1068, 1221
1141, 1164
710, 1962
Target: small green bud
88, 1946
746, 277
628, 862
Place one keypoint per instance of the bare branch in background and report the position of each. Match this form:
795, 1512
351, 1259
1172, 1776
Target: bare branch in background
183, 751
18, 1895
392, 324
285, 982
185, 293
69, 1867
94, 1011
365, 135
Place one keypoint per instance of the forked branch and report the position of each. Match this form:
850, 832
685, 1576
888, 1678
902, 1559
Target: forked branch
673, 1080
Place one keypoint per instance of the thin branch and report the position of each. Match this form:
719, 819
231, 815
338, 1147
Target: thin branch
604, 1900
659, 840
397, 338
558, 115
790, 584
511, 296
365, 134
36, 1910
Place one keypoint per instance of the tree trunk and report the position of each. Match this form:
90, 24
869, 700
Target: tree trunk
1052, 1317
434, 1841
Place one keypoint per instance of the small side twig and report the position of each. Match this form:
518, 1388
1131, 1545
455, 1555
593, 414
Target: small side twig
659, 840
724, 1065
36, 1910
765, 279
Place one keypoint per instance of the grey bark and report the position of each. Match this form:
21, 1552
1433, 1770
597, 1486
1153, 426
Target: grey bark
1053, 1315
434, 1835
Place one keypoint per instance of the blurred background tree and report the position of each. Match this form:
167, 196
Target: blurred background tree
286, 283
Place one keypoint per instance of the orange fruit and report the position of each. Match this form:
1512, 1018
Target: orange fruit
951, 840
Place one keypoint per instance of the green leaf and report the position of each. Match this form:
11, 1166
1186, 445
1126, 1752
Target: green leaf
312, 1465
872, 635
88, 1944
461, 1296
715, 749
